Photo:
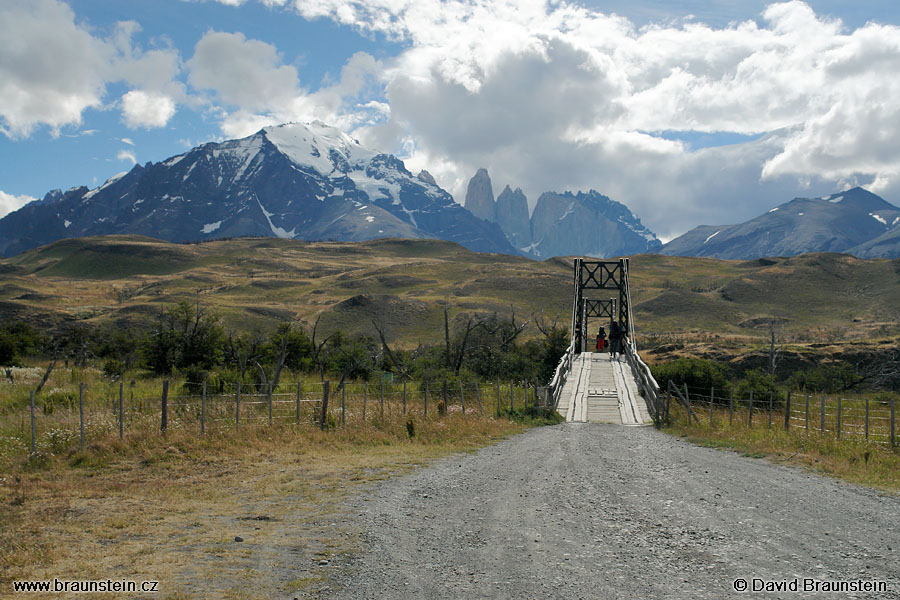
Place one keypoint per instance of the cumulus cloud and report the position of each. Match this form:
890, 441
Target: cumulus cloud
146, 109
52, 69
242, 72
11, 202
252, 86
553, 96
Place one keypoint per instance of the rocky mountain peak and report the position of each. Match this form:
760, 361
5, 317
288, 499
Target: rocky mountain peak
426, 177
512, 216
480, 196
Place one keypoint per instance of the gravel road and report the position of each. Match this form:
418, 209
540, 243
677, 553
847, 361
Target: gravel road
605, 511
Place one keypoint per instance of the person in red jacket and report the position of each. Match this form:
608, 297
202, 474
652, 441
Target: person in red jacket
601, 339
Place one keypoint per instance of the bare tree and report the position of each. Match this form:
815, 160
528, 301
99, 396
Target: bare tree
243, 350
320, 355
774, 348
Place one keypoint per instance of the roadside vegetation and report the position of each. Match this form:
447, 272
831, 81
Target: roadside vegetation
249, 511
838, 423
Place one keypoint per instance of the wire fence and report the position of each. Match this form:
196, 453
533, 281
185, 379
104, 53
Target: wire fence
229, 407
842, 416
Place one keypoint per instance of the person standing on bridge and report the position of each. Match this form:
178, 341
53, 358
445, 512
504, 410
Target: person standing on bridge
615, 340
601, 339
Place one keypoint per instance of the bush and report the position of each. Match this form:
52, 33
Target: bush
7, 350
827, 379
761, 384
697, 373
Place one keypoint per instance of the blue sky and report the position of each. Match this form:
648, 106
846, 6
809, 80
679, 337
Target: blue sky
689, 112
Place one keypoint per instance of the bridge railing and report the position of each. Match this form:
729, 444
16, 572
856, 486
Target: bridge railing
644, 378
561, 374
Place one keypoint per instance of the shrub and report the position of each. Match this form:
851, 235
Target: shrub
697, 373
761, 384
828, 379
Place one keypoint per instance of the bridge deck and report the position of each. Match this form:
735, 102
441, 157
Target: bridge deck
601, 390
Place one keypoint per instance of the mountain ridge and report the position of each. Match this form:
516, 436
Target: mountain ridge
847, 222
301, 181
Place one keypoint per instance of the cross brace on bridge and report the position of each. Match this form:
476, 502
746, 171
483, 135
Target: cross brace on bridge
599, 275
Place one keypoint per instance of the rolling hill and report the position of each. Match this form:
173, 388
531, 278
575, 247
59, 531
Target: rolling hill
256, 282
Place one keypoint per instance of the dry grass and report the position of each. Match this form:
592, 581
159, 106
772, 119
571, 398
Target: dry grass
850, 458
168, 508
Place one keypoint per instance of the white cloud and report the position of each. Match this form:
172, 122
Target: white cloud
11, 202
127, 155
146, 109
50, 69
128, 141
557, 96
241, 72
255, 88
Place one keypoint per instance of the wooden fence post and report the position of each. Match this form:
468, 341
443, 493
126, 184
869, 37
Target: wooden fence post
462, 397
750, 417
203, 410
121, 412
892, 421
237, 406
687, 399
165, 411
822, 416
867, 418
365, 398
343, 402
382, 396
326, 385
787, 412
426, 397
770, 410
404, 396
478, 396
444, 394
731, 409
299, 398
512, 397
712, 391
269, 400
498, 397
534, 386
839, 415
34, 442
807, 413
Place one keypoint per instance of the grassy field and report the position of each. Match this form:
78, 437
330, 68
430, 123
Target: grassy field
852, 457
171, 507
256, 283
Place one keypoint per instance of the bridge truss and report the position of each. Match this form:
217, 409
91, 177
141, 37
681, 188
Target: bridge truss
599, 275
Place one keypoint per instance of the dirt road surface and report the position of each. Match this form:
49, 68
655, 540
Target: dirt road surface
605, 511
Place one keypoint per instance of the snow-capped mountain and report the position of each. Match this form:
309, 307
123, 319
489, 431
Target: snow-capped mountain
302, 181
567, 224
854, 221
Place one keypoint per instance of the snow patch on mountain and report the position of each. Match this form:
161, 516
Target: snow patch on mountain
210, 227
108, 183
712, 236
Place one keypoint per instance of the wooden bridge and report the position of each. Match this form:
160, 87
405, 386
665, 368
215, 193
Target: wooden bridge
590, 386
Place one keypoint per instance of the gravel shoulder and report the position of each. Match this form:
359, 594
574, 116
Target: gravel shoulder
605, 511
